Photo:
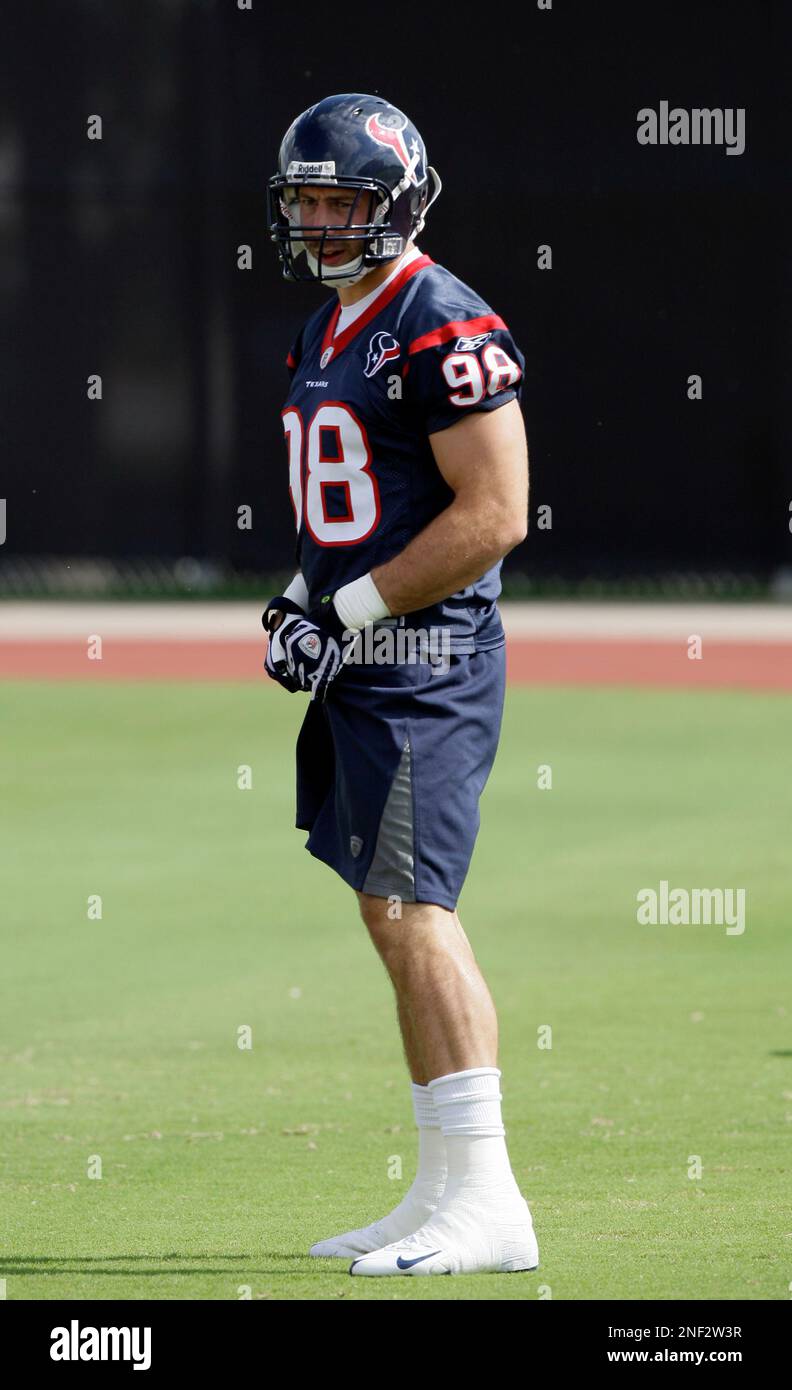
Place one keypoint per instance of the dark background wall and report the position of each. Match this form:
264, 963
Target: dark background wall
119, 257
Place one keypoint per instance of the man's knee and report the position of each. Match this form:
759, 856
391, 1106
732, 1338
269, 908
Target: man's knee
398, 928
384, 919
377, 911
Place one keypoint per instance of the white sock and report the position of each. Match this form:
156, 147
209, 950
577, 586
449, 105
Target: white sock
482, 1209
468, 1104
419, 1201
430, 1179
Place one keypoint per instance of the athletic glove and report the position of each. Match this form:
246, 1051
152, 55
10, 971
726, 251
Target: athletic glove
275, 663
316, 647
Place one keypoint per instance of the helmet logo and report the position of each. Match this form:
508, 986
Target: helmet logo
387, 130
382, 348
321, 168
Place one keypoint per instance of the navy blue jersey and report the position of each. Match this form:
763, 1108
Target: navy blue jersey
360, 409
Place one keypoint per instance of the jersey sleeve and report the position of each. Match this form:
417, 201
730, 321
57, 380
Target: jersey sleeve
462, 366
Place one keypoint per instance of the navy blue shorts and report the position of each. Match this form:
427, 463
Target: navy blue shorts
390, 770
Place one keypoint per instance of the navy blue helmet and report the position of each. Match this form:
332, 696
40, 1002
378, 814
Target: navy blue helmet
371, 151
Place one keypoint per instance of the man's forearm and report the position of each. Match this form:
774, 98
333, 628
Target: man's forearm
454, 550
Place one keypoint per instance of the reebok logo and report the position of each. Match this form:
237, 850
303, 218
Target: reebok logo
310, 644
470, 344
74, 1343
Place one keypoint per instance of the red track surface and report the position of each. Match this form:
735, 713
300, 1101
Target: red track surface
740, 665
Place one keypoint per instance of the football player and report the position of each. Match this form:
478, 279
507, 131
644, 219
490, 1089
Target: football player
409, 481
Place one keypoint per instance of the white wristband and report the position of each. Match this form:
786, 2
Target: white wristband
298, 591
359, 603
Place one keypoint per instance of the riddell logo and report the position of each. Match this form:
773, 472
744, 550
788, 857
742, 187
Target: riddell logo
74, 1343
322, 168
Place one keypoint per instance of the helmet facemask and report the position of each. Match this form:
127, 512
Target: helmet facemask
383, 236
315, 241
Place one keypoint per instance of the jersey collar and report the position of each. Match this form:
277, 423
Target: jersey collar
332, 346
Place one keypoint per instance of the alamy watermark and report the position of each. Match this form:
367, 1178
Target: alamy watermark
692, 907
76, 1343
382, 645
702, 125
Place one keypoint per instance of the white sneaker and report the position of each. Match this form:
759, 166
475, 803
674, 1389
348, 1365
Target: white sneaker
407, 1217
461, 1238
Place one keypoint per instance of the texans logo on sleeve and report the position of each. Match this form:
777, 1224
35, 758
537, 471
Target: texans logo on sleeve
382, 348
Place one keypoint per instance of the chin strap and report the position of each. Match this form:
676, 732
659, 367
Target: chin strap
356, 267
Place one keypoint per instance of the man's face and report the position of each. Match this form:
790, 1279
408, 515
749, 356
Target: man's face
318, 205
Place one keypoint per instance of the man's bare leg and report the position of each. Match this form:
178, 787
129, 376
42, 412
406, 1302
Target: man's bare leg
413, 1054
446, 1013
450, 1033
441, 999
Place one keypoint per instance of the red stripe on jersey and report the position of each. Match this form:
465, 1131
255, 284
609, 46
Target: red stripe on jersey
330, 329
338, 344
291, 360
463, 328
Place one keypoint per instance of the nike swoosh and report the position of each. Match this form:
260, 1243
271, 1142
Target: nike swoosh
408, 1264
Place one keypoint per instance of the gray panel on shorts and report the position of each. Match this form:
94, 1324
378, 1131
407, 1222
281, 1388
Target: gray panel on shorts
392, 870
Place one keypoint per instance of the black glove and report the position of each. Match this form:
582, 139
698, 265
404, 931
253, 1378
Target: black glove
315, 648
275, 661
276, 606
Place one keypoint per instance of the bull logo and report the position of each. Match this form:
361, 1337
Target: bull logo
388, 129
382, 348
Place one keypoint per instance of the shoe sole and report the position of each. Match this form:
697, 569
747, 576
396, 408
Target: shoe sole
509, 1267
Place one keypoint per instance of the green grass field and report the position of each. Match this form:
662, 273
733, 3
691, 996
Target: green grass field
220, 1166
